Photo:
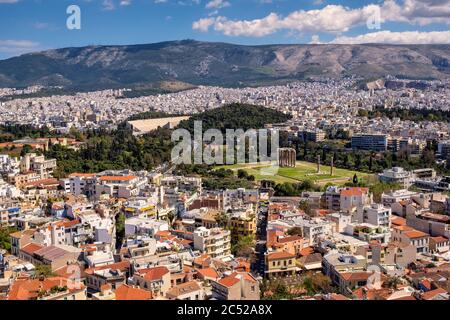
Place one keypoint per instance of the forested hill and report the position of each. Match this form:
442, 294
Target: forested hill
120, 149
236, 116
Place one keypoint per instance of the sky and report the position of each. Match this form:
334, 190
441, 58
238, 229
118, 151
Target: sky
35, 25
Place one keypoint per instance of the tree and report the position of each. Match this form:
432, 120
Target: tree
393, 282
25, 149
5, 240
222, 219
242, 174
295, 231
306, 207
244, 246
44, 270
120, 227
315, 283
355, 179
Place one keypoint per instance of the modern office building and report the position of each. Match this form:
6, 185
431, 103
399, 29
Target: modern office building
373, 142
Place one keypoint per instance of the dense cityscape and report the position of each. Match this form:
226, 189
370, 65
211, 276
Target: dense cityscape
341, 220
222, 158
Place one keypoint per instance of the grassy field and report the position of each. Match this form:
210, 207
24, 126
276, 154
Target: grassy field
302, 171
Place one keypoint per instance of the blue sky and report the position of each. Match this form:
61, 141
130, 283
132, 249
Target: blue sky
32, 25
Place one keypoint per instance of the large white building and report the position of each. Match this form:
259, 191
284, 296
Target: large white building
375, 214
214, 242
397, 175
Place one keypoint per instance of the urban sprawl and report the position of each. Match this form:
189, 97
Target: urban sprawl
142, 235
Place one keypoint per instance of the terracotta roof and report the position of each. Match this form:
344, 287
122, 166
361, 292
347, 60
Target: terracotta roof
126, 292
29, 289
307, 251
51, 252
20, 234
117, 178
310, 259
398, 221
229, 281
403, 228
153, 274
82, 175
289, 239
236, 277
67, 271
352, 192
429, 295
280, 255
245, 275
426, 283
337, 297
405, 298
416, 234
352, 276
31, 248
208, 273
122, 266
187, 287
439, 239
42, 182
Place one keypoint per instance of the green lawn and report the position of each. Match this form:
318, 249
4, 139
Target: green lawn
302, 171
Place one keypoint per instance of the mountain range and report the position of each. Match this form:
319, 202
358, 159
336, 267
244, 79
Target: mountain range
205, 63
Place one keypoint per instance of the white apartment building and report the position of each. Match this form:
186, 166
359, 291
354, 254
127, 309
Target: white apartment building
395, 196
352, 198
397, 175
9, 164
144, 225
375, 214
82, 183
316, 229
214, 242
43, 167
126, 186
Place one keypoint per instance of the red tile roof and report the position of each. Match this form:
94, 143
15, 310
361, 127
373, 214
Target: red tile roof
208, 273
280, 255
29, 289
126, 292
117, 178
355, 276
429, 295
31, 248
153, 274
122, 266
354, 192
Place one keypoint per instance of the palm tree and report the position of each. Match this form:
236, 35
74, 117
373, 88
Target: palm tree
393, 282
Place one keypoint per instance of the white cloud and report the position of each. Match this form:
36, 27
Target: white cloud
9, 1
389, 37
16, 47
217, 4
40, 25
125, 2
108, 5
204, 24
422, 12
332, 18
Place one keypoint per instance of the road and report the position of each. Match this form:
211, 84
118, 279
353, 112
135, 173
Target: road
258, 266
